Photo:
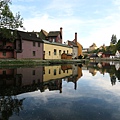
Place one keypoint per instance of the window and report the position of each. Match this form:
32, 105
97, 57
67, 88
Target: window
4, 72
33, 53
53, 40
59, 52
54, 71
55, 52
43, 52
4, 53
33, 82
64, 51
38, 44
33, 72
4, 43
49, 53
37, 35
49, 71
67, 51
33, 43
59, 71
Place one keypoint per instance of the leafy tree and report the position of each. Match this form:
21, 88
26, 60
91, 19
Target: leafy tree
8, 21
113, 39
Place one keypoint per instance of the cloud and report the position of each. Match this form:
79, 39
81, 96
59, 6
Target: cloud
95, 22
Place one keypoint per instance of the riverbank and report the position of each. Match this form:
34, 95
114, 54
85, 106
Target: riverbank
33, 62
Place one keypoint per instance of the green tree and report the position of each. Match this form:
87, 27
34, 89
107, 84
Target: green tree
8, 21
113, 39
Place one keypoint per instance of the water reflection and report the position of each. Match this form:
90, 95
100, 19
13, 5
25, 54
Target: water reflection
22, 80
112, 68
61, 92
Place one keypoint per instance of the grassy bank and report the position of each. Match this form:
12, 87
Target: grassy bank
13, 62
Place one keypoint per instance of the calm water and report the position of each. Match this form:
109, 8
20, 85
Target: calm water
62, 92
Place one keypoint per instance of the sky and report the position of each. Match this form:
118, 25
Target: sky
94, 20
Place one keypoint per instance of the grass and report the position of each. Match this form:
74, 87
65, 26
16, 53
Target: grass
34, 62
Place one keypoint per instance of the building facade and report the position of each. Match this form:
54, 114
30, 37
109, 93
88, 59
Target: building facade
54, 50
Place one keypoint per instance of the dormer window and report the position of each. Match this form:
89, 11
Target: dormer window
37, 35
53, 40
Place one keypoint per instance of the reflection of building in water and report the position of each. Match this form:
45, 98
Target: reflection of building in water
30, 75
53, 76
20, 80
7, 76
77, 74
21, 76
92, 71
113, 79
56, 72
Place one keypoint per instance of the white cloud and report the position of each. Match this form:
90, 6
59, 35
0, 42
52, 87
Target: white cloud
98, 28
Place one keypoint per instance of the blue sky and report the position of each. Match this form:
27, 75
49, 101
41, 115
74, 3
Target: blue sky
94, 20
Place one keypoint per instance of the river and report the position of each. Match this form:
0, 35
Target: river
61, 92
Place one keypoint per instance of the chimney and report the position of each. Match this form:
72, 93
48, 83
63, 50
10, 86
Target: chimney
61, 33
76, 38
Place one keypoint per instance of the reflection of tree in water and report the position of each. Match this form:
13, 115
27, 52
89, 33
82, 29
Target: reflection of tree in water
9, 105
117, 73
113, 80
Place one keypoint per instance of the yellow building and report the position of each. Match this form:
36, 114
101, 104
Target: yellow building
54, 50
93, 47
79, 49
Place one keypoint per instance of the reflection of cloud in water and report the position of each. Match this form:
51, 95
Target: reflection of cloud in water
94, 95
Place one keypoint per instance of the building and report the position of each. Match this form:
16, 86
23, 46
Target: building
7, 45
25, 45
54, 50
117, 54
93, 47
74, 46
28, 45
77, 47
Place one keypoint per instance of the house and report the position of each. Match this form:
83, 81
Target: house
28, 45
93, 47
43, 34
105, 55
77, 47
93, 56
66, 56
117, 54
54, 50
55, 36
25, 45
7, 45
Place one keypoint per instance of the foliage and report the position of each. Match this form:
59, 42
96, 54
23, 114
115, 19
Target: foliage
113, 39
7, 20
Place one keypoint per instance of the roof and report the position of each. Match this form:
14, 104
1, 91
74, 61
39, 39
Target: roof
53, 33
44, 32
29, 36
55, 43
73, 43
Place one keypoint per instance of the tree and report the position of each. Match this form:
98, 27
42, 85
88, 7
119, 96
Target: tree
113, 39
7, 20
